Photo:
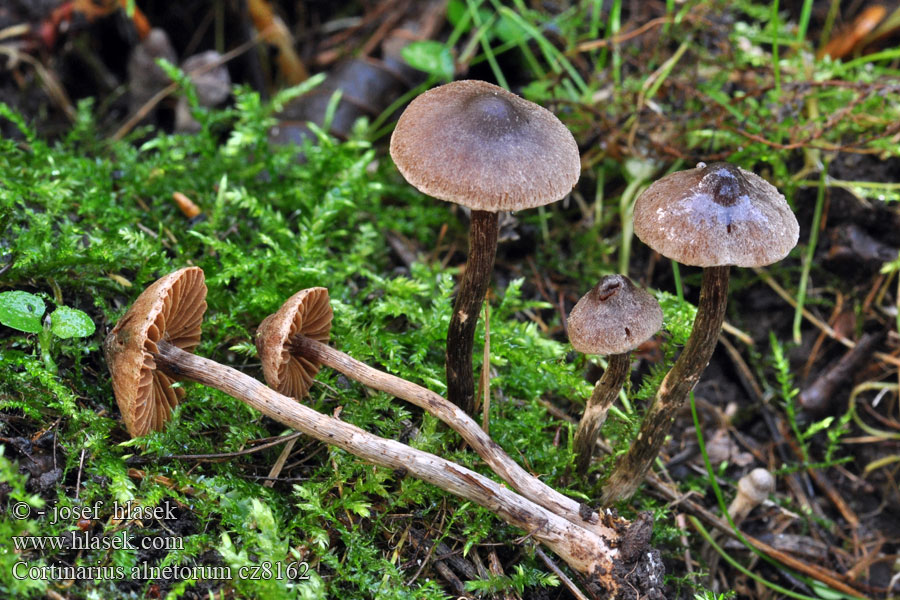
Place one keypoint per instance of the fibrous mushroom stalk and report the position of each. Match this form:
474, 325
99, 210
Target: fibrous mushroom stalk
144, 354
583, 550
472, 289
498, 460
602, 398
675, 387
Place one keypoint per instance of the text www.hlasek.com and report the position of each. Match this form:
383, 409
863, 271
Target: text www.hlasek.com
85, 541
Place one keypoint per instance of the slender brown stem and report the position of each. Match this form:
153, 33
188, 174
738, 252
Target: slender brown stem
483, 232
499, 461
679, 381
602, 398
583, 550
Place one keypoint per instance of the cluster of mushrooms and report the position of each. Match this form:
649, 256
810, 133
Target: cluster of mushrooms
480, 146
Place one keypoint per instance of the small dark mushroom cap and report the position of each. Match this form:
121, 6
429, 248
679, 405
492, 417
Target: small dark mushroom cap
307, 313
475, 144
716, 215
615, 317
169, 310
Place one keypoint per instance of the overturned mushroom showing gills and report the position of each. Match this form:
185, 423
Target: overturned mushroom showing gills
712, 216
170, 311
477, 145
307, 313
613, 319
585, 551
292, 339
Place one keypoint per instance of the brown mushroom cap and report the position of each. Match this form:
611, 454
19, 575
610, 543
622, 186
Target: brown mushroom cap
615, 317
170, 310
716, 215
475, 144
307, 313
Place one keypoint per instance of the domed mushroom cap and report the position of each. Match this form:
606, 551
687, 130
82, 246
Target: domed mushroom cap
169, 310
614, 317
716, 215
307, 313
757, 485
475, 144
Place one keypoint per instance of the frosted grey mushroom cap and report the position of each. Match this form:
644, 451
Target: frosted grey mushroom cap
478, 145
716, 215
615, 317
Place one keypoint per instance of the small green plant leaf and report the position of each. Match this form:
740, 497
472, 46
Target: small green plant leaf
67, 322
508, 31
430, 56
21, 310
456, 10
817, 427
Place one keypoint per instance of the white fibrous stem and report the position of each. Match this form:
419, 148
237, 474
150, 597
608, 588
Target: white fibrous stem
582, 549
499, 461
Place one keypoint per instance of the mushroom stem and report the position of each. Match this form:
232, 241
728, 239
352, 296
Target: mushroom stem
583, 550
499, 461
679, 381
483, 232
603, 396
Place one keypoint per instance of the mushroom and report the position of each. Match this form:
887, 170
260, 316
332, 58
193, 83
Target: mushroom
148, 340
752, 489
290, 374
212, 85
169, 312
307, 313
145, 77
475, 144
712, 216
291, 346
613, 319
